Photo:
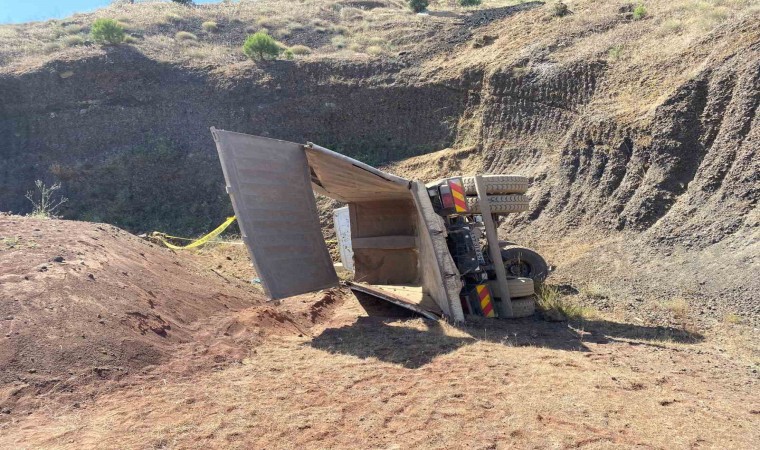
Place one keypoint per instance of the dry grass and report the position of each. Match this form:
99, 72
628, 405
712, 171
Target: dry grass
678, 307
596, 291
551, 302
209, 26
392, 27
185, 36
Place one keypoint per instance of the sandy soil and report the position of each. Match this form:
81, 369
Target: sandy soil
328, 370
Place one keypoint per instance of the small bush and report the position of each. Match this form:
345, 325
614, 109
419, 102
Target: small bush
560, 9
374, 50
184, 2
50, 48
107, 31
209, 26
339, 29
173, 18
418, 5
185, 36
44, 200
467, 3
639, 12
614, 53
288, 54
73, 41
339, 42
74, 29
261, 46
679, 307
270, 22
300, 50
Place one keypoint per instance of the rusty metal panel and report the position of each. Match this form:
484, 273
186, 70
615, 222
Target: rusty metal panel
269, 183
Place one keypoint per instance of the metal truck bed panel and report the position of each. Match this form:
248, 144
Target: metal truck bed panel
285, 249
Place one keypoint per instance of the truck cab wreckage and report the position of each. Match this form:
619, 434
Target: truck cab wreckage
429, 248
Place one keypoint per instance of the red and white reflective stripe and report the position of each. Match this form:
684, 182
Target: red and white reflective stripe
485, 300
457, 191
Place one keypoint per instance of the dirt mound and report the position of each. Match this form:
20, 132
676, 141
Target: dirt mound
83, 300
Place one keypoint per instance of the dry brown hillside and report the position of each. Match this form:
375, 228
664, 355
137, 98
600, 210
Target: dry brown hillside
637, 128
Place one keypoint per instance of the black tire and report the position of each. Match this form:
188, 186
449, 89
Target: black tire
500, 204
497, 184
523, 307
524, 262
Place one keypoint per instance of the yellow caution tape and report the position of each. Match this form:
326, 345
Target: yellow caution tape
196, 243
203, 240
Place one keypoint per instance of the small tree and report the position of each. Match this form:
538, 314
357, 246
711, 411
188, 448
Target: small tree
260, 46
418, 5
44, 200
469, 2
183, 2
107, 31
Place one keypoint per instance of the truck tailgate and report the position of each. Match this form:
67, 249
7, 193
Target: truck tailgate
270, 186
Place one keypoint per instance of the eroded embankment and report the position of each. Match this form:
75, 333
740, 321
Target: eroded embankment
129, 137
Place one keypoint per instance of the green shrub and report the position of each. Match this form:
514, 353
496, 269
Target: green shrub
288, 54
300, 50
615, 52
209, 26
185, 36
261, 46
469, 2
418, 5
107, 31
639, 12
73, 41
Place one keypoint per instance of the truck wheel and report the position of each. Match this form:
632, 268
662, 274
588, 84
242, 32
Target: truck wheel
497, 184
500, 204
518, 287
523, 307
524, 262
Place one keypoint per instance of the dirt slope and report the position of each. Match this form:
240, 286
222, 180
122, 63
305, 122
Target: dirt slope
86, 303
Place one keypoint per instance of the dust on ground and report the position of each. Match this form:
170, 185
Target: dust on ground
332, 370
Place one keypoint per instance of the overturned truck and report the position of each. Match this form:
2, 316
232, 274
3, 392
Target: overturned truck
429, 248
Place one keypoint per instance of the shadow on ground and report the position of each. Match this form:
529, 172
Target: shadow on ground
389, 335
